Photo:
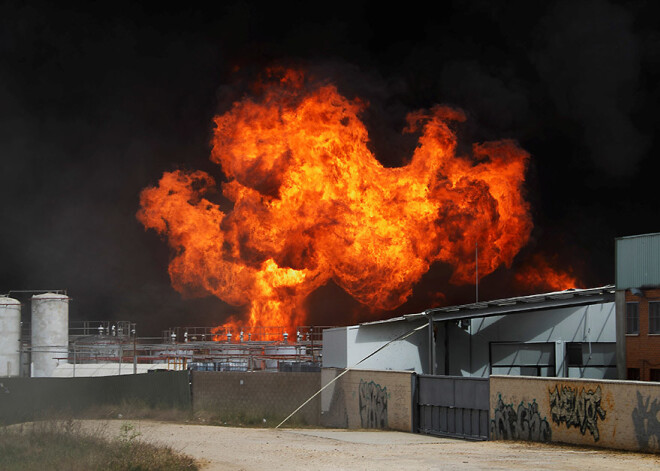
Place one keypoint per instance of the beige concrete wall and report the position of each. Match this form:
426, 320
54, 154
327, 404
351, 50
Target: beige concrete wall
367, 399
611, 414
251, 397
26, 399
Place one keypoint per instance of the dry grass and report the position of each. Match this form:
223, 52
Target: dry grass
136, 410
63, 445
242, 419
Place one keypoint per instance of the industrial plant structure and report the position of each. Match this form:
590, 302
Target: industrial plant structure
54, 347
10, 335
606, 332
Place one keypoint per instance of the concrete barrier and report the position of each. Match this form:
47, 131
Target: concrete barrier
251, 397
368, 399
24, 399
611, 414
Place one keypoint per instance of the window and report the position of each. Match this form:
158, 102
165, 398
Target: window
633, 374
654, 317
527, 359
574, 354
632, 318
654, 374
591, 360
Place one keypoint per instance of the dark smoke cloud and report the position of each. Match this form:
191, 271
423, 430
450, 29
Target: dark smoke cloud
590, 60
88, 113
498, 101
96, 102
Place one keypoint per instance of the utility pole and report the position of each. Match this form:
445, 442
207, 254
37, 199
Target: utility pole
476, 269
134, 332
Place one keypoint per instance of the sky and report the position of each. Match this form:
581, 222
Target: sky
96, 102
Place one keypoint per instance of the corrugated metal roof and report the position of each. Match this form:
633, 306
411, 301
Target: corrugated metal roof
637, 236
519, 304
637, 261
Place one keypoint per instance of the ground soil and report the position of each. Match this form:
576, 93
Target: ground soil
254, 449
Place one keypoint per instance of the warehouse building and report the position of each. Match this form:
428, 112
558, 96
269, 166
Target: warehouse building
568, 333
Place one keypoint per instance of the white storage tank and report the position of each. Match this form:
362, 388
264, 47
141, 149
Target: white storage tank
50, 333
287, 352
10, 335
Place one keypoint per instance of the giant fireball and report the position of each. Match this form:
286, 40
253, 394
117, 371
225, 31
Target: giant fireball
311, 203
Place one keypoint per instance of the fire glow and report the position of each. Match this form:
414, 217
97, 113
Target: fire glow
540, 274
311, 203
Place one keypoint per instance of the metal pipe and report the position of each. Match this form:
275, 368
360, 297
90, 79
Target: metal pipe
134, 350
431, 353
446, 348
57, 291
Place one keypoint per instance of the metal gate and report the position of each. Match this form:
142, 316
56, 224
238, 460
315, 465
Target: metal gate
453, 406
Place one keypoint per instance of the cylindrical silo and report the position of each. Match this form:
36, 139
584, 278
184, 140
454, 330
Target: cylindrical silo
50, 333
10, 335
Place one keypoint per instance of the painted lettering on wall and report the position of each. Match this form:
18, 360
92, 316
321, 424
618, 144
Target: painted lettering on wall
373, 405
523, 423
647, 425
580, 409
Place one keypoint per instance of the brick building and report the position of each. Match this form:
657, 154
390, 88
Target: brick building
643, 334
638, 307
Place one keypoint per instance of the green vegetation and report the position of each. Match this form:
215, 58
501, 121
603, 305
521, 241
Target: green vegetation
64, 445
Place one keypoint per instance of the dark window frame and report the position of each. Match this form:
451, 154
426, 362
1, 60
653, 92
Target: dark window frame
654, 374
632, 322
633, 374
654, 317
574, 354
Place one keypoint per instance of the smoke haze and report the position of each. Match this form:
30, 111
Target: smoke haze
98, 102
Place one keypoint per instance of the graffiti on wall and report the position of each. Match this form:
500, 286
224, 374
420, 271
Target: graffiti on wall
523, 423
373, 405
580, 409
647, 425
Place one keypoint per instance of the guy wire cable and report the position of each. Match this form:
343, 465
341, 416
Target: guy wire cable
347, 369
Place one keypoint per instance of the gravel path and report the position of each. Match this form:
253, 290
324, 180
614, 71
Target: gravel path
230, 448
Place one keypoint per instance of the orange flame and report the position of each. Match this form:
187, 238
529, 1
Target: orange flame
311, 203
541, 275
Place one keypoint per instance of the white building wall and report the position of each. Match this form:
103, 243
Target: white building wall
468, 352
358, 342
334, 347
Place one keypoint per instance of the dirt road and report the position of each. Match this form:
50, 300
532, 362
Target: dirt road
229, 448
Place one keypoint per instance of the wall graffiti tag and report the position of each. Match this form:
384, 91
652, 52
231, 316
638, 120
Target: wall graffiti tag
580, 409
647, 425
523, 423
373, 405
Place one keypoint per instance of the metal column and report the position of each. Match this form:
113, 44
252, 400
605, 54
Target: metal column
431, 368
620, 308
